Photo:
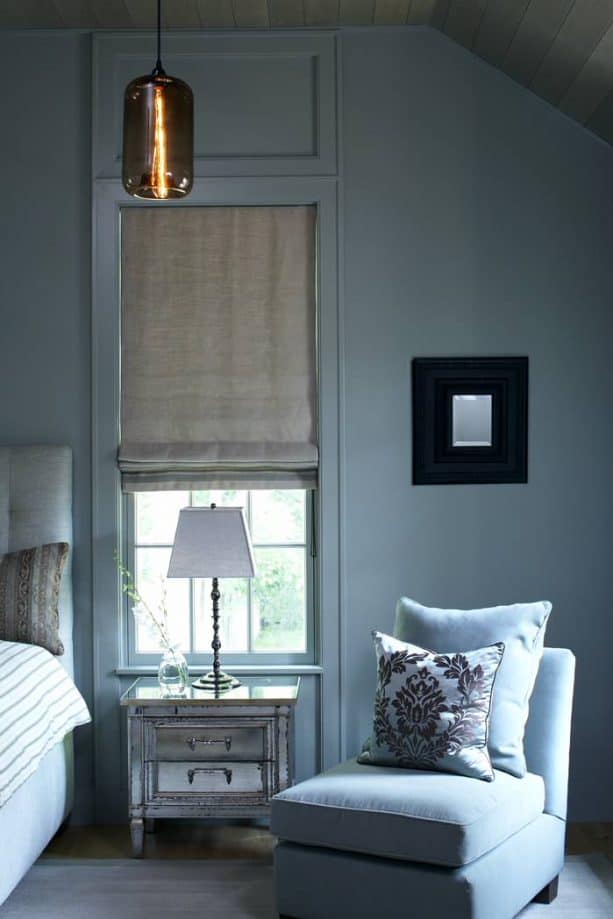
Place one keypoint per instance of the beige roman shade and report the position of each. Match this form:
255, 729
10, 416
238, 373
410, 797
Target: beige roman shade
218, 357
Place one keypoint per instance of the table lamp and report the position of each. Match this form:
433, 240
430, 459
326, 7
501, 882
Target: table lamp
212, 542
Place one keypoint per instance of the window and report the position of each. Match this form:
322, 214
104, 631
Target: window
270, 615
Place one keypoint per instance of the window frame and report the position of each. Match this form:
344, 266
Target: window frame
200, 659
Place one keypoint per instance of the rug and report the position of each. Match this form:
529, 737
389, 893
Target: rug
129, 889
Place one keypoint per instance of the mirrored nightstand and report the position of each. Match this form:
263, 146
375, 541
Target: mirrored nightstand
202, 756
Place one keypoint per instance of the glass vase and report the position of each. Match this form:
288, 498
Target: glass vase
172, 672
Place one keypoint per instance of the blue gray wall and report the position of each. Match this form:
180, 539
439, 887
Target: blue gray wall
45, 288
475, 220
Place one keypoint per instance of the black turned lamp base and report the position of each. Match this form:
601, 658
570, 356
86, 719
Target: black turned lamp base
220, 683
216, 680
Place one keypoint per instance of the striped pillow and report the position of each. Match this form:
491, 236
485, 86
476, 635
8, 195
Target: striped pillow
29, 595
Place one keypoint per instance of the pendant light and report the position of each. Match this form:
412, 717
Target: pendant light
158, 133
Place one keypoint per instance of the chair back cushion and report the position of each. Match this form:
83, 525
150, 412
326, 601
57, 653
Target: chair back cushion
521, 628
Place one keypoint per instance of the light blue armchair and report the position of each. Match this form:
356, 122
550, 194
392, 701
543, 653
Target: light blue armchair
359, 842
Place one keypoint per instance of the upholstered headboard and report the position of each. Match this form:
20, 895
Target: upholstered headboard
36, 508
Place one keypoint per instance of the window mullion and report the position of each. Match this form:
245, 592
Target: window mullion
129, 555
249, 590
191, 594
311, 523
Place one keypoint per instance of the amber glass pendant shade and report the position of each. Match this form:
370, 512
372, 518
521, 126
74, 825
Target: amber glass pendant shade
158, 137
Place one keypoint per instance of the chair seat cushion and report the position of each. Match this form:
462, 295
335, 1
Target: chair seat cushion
417, 816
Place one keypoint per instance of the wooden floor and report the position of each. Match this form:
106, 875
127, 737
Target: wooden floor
179, 840
172, 839
583, 838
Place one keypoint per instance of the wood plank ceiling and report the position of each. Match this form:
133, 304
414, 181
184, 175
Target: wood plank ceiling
560, 49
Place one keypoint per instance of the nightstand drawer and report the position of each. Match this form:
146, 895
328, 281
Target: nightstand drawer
204, 779
208, 741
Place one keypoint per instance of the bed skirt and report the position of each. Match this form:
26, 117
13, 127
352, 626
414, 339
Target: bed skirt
34, 813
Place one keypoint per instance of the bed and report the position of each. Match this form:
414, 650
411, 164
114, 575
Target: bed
35, 508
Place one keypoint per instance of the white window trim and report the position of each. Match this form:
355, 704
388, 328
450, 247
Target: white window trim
110, 662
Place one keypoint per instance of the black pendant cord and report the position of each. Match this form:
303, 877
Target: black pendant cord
216, 644
158, 70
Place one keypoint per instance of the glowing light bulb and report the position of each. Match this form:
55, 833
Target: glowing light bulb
159, 166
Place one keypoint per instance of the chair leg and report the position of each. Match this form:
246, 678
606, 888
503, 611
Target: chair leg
548, 893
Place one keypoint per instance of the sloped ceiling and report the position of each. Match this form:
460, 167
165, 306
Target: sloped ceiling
560, 49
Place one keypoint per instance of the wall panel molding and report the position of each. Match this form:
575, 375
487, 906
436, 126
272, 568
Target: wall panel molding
264, 104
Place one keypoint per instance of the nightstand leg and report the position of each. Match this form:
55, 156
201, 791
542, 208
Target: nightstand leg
137, 831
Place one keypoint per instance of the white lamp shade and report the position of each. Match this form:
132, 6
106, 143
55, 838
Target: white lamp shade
211, 542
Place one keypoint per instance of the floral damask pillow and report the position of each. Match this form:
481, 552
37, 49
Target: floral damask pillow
432, 710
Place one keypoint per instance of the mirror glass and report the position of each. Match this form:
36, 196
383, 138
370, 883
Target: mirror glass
471, 421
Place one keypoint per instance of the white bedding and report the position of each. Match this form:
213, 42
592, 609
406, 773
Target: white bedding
39, 705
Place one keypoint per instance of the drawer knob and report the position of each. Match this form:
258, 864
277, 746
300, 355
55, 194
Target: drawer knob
193, 741
192, 772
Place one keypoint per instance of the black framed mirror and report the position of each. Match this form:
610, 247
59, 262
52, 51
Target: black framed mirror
470, 420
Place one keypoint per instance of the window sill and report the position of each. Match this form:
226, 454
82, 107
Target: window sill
245, 669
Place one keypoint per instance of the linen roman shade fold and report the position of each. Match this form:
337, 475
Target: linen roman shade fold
218, 354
